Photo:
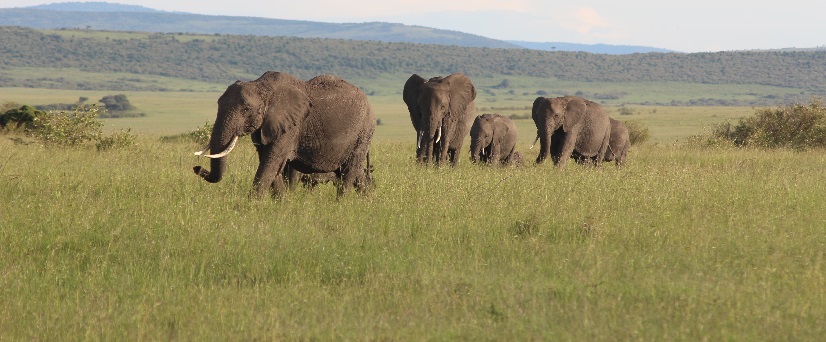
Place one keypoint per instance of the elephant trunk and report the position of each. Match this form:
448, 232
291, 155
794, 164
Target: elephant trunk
428, 140
474, 151
477, 150
544, 144
221, 143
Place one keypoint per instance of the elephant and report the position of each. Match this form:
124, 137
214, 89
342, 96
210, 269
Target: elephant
308, 180
618, 145
318, 126
311, 180
571, 124
493, 139
441, 110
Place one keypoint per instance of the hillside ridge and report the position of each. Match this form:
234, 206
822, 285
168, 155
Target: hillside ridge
226, 58
121, 17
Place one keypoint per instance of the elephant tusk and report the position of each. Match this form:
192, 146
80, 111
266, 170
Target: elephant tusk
419, 139
225, 152
439, 134
534, 142
200, 153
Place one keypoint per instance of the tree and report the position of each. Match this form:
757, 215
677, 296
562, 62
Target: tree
23, 116
503, 85
116, 103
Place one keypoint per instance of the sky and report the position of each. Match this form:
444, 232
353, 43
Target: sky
687, 26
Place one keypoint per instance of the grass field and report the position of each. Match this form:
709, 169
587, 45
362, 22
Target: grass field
684, 243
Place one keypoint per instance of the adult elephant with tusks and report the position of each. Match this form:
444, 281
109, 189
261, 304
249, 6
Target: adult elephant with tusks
573, 125
441, 110
318, 126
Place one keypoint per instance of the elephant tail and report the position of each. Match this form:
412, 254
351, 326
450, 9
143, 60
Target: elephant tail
368, 171
369, 166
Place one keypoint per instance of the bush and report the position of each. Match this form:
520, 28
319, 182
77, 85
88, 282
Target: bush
797, 126
116, 103
117, 140
19, 117
201, 134
638, 133
623, 110
68, 128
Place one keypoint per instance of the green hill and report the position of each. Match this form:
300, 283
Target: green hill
226, 58
134, 18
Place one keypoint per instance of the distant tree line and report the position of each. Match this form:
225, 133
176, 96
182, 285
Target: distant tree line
225, 58
116, 106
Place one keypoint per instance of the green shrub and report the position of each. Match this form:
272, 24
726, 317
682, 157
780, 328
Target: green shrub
121, 139
797, 126
68, 128
116, 102
201, 134
638, 133
18, 117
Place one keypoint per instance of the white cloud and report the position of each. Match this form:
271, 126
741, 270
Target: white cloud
589, 24
373, 8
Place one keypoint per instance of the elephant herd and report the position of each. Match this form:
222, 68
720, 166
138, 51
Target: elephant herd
320, 130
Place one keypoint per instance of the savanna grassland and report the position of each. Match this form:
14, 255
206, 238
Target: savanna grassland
685, 242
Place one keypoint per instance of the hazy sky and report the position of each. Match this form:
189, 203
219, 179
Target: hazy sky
689, 26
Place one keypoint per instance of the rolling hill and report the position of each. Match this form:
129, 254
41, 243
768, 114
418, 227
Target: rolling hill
225, 58
118, 17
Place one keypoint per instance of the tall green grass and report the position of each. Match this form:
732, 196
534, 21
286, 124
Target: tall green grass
682, 243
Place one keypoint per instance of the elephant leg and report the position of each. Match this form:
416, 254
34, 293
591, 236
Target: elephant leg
353, 173
269, 175
291, 176
451, 155
567, 148
620, 159
603, 149
495, 154
449, 145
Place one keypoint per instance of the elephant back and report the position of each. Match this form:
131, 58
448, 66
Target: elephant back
340, 119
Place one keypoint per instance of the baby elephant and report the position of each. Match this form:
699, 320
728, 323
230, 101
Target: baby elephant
618, 145
493, 140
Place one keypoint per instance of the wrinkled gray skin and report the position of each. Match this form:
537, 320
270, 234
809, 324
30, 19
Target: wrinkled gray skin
319, 126
576, 124
441, 109
618, 146
492, 139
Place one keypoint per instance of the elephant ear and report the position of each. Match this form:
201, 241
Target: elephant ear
574, 113
462, 92
412, 89
286, 110
535, 109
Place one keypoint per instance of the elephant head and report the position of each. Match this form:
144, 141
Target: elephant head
270, 108
551, 114
439, 109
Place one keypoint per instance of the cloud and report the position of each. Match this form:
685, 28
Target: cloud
589, 23
373, 8
585, 20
